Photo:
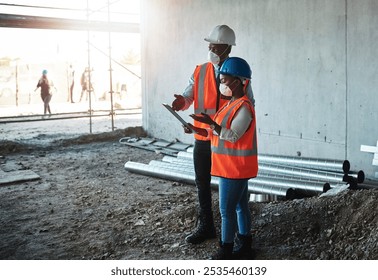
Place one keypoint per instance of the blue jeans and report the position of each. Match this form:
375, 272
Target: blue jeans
233, 206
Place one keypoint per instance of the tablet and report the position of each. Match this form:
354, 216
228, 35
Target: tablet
177, 116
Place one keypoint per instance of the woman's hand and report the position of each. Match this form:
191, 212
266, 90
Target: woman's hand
201, 131
203, 118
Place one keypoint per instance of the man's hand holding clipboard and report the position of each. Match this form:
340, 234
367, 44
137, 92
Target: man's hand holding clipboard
189, 128
177, 116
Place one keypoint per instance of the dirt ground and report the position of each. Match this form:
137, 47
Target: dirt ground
87, 206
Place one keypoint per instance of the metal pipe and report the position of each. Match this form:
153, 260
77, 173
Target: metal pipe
262, 173
158, 172
89, 71
313, 163
297, 194
184, 155
36, 118
110, 69
274, 178
354, 179
38, 22
271, 190
184, 160
170, 172
259, 197
310, 163
295, 182
359, 177
277, 192
178, 161
265, 174
368, 185
164, 173
302, 172
307, 186
171, 166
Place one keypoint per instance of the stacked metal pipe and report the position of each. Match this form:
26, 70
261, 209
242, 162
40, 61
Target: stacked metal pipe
278, 177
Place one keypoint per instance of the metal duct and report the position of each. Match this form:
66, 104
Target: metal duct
312, 163
271, 190
259, 197
291, 178
185, 155
354, 179
283, 176
164, 173
185, 161
297, 194
359, 177
368, 185
302, 173
309, 187
169, 165
158, 172
264, 178
180, 161
264, 174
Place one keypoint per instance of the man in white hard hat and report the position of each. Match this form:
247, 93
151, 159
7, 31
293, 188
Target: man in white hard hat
203, 91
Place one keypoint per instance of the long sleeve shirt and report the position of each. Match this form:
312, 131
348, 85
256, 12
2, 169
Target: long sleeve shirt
239, 125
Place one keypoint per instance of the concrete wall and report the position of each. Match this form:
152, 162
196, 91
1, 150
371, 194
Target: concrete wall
313, 63
362, 81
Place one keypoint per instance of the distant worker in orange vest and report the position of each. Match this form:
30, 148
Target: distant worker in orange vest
203, 91
234, 156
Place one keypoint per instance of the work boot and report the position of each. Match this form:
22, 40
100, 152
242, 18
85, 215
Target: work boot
244, 250
205, 230
224, 252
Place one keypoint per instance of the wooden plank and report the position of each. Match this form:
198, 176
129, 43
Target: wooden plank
17, 176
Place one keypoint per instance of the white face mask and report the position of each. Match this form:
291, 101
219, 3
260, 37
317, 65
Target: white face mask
225, 90
213, 58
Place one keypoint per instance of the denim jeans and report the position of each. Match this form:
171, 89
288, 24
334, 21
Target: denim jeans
233, 206
202, 168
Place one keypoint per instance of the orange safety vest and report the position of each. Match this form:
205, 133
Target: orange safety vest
205, 94
234, 160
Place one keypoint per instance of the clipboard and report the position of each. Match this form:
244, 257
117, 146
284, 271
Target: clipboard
177, 116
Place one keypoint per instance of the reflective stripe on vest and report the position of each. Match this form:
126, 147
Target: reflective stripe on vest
200, 93
221, 145
206, 75
205, 94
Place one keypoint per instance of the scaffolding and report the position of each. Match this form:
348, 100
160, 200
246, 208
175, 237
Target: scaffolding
89, 25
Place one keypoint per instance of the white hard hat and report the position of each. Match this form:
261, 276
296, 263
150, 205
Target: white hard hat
221, 34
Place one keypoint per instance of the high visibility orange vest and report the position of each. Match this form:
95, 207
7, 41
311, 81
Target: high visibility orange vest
205, 94
234, 160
